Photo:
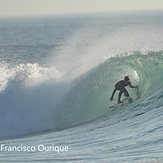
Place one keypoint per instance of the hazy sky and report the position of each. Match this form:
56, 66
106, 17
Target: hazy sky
42, 7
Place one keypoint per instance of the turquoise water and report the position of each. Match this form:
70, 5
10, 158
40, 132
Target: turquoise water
57, 76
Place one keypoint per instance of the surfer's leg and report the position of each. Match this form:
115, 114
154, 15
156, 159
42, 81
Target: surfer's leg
119, 97
126, 94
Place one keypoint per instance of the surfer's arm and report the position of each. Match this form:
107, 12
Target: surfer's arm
111, 98
131, 86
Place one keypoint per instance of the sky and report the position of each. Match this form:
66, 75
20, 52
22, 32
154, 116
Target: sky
47, 7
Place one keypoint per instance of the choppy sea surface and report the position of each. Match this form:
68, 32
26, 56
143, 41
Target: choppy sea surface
57, 74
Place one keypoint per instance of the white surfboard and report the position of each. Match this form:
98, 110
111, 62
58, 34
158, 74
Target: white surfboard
125, 101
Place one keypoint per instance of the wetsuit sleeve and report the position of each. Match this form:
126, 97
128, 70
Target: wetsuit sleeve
113, 94
131, 86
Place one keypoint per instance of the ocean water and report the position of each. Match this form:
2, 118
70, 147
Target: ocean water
57, 74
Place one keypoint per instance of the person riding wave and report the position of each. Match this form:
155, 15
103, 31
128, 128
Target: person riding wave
120, 86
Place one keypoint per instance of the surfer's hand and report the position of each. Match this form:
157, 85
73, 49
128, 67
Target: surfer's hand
111, 99
136, 86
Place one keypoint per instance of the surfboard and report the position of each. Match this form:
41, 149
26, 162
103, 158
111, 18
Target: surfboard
125, 101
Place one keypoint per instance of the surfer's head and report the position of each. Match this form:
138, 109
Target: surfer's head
126, 78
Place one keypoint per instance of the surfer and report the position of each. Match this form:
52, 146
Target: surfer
120, 86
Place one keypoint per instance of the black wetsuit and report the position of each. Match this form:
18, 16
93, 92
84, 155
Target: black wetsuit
121, 87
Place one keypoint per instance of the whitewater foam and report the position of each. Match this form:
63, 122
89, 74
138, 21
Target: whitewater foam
28, 96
